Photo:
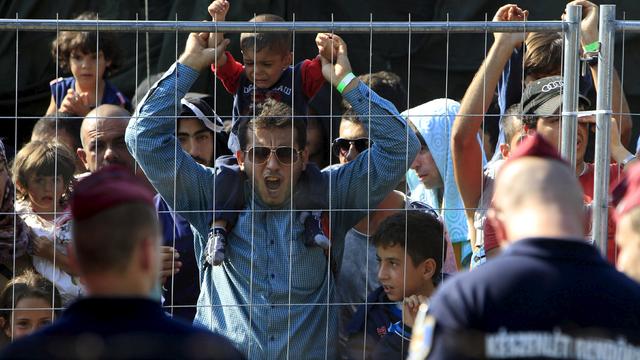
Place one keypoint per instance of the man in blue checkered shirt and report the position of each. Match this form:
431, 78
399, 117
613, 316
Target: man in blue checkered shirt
272, 295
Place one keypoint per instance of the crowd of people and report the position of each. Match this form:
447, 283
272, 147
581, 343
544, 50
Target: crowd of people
392, 233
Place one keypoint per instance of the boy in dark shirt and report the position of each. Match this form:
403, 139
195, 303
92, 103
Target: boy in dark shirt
409, 249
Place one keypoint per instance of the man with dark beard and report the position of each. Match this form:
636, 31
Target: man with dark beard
201, 135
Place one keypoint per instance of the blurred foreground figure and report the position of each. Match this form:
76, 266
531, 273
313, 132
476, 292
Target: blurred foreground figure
626, 198
550, 293
116, 251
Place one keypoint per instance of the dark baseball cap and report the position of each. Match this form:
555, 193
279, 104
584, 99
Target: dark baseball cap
195, 105
544, 97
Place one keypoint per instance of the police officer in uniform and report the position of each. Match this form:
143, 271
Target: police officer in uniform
550, 294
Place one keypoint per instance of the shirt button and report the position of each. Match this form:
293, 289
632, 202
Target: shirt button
272, 338
273, 276
273, 242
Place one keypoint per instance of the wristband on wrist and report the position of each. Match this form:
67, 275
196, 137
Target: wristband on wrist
593, 47
344, 82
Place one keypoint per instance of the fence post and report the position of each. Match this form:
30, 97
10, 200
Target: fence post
603, 122
570, 88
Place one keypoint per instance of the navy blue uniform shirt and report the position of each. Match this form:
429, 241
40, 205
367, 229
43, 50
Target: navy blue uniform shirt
132, 328
550, 292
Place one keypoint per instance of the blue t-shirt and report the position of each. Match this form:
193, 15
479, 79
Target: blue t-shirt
111, 94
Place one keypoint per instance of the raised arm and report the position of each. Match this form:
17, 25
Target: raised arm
394, 145
218, 10
151, 140
589, 35
466, 150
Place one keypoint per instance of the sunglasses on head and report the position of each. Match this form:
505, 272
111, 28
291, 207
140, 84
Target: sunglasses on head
341, 145
286, 155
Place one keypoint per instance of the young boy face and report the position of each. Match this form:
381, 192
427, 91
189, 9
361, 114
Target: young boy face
88, 68
400, 278
265, 65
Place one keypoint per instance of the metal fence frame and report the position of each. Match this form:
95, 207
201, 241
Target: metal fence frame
570, 27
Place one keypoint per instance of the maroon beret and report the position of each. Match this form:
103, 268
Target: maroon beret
536, 146
110, 186
626, 194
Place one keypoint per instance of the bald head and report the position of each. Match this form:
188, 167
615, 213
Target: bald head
102, 136
538, 197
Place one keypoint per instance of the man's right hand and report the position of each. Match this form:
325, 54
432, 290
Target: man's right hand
510, 12
335, 72
197, 53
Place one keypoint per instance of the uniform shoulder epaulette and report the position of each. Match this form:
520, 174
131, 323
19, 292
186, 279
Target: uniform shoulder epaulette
56, 80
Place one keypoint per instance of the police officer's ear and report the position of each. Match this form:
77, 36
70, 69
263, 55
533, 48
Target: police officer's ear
428, 269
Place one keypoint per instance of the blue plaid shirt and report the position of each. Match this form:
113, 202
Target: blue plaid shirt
272, 295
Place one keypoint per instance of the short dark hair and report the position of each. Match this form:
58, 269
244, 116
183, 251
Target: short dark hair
389, 86
511, 121
273, 114
106, 241
48, 124
86, 42
421, 140
424, 235
279, 42
351, 116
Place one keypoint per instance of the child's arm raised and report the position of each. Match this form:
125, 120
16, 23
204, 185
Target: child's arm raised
218, 11
465, 149
226, 68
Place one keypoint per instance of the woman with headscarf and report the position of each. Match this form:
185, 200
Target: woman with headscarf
431, 178
15, 235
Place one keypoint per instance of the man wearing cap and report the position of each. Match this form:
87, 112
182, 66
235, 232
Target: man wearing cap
269, 296
549, 294
200, 131
117, 254
201, 135
541, 108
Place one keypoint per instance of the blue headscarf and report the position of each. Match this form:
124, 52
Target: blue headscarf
434, 120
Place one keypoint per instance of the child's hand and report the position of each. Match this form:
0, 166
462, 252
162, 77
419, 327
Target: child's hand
410, 307
218, 10
510, 12
43, 247
75, 103
335, 72
327, 48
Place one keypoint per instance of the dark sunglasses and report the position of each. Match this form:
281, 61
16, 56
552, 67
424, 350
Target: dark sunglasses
341, 145
284, 154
